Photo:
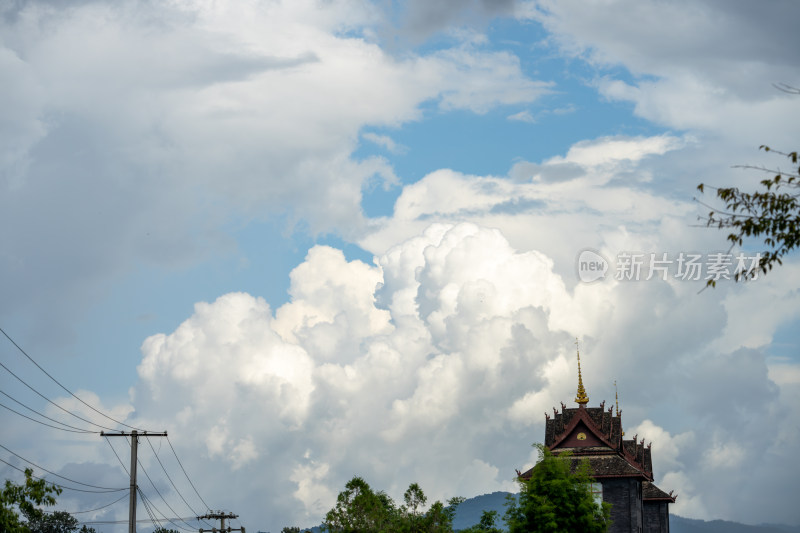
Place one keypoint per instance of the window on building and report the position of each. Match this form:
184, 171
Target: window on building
597, 492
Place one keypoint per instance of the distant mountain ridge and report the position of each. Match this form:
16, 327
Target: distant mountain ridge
469, 513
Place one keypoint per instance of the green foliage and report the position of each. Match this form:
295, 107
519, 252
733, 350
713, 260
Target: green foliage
486, 525
290, 529
25, 499
359, 509
771, 212
555, 499
57, 522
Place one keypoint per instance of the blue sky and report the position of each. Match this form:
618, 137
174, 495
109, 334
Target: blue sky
318, 232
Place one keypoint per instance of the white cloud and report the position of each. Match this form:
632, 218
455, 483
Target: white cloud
167, 120
704, 65
448, 330
523, 116
439, 358
613, 151
384, 141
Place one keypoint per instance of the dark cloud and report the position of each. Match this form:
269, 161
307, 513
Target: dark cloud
424, 18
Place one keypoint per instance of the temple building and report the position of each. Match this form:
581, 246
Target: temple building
622, 468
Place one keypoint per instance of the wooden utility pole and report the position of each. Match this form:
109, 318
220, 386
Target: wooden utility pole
219, 515
134, 435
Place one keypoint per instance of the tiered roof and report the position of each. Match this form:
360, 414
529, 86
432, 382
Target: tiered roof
595, 434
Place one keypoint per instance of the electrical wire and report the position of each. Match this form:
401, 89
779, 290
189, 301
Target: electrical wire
97, 509
72, 429
142, 521
170, 479
162, 466
187, 475
152, 509
42, 423
147, 508
51, 401
62, 386
53, 473
156, 489
118, 459
61, 486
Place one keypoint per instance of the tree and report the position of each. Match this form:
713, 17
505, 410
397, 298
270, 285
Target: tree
25, 499
771, 212
56, 522
555, 499
359, 509
486, 524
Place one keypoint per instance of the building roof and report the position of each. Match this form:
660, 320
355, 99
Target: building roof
651, 493
595, 435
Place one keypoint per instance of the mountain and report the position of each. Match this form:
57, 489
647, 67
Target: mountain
469, 513
678, 524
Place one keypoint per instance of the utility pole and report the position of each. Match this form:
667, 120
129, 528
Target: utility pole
134, 435
221, 516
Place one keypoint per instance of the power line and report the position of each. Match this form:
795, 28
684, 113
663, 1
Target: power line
61, 486
60, 385
142, 521
169, 478
51, 401
76, 429
152, 509
49, 472
156, 488
93, 510
118, 459
48, 425
187, 475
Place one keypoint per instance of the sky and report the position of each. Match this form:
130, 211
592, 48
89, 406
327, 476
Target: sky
325, 238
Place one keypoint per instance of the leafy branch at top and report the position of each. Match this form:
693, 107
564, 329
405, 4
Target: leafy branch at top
772, 212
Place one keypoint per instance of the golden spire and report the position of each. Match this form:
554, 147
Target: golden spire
581, 398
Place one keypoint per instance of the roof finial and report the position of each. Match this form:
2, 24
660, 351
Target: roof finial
619, 413
581, 399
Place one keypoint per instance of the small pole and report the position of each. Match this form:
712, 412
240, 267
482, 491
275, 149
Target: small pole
134, 460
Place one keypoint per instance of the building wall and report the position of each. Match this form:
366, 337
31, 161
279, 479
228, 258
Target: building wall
656, 517
625, 497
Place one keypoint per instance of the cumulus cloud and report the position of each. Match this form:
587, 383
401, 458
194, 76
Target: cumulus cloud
605, 194
163, 121
437, 360
696, 65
